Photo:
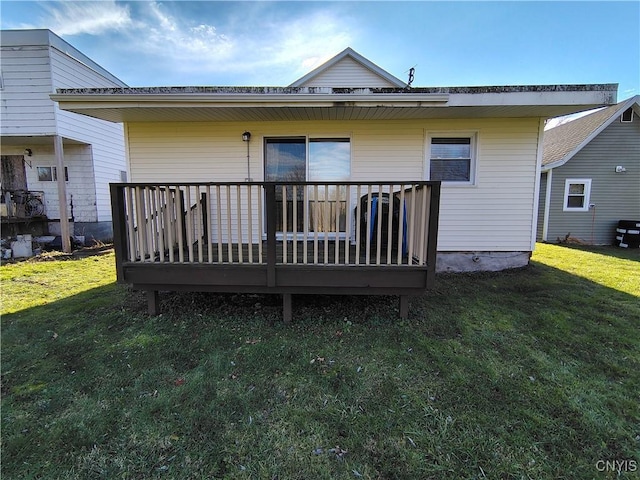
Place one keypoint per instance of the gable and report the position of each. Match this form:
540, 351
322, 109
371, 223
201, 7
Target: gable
349, 69
347, 73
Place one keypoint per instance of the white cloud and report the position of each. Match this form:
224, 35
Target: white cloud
94, 18
261, 42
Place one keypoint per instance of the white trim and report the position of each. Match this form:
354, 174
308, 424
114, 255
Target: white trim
536, 187
547, 207
587, 194
473, 168
622, 120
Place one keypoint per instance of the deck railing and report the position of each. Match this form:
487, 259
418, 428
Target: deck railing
307, 223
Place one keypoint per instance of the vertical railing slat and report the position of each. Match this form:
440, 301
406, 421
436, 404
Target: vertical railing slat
200, 233
229, 230
401, 225
209, 228
239, 221
250, 222
379, 214
131, 230
392, 201
326, 224
180, 223
368, 223
347, 223
169, 222
189, 222
337, 238
284, 223
412, 222
358, 223
160, 222
260, 227
315, 224
305, 227
219, 223
294, 222
423, 223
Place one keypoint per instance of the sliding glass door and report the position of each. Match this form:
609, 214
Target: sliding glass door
293, 159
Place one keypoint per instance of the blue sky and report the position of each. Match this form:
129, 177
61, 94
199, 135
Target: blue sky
148, 43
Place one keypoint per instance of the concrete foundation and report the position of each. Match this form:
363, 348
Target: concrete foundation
480, 261
94, 231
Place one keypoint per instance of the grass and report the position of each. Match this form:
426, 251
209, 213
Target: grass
531, 373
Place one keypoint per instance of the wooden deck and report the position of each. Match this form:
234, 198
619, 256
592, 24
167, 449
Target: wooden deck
326, 263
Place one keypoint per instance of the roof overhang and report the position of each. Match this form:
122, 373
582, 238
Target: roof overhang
164, 104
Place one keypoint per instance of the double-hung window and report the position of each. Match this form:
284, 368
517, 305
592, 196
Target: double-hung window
576, 194
452, 158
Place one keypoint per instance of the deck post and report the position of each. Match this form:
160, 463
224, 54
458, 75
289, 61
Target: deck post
119, 228
404, 306
153, 302
270, 197
432, 233
286, 307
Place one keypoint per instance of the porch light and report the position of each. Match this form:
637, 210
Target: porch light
28, 152
246, 136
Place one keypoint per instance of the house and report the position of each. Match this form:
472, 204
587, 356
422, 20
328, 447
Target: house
39, 141
590, 177
311, 168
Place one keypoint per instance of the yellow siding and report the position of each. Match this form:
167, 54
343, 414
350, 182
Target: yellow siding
495, 214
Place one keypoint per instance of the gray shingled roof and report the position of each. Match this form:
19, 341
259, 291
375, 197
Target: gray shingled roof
566, 138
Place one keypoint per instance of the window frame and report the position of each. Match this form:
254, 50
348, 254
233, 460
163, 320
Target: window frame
472, 135
587, 194
53, 173
622, 120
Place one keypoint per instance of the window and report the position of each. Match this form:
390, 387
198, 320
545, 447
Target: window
451, 159
576, 195
50, 174
627, 115
299, 159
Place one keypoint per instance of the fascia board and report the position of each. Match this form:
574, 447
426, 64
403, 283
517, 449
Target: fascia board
244, 100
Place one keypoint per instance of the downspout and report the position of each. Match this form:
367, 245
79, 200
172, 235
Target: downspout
547, 202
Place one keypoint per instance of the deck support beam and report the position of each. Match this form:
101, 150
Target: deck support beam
153, 302
404, 306
286, 308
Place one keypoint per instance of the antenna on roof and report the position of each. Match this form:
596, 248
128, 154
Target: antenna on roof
412, 70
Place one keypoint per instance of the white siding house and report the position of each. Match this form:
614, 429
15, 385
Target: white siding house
34, 63
483, 143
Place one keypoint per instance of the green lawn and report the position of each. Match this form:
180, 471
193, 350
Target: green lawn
533, 373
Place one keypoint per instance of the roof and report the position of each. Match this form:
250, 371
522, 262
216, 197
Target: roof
564, 141
44, 37
356, 57
302, 101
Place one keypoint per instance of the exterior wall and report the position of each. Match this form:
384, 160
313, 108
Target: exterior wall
26, 85
347, 73
541, 203
106, 138
494, 215
616, 195
80, 187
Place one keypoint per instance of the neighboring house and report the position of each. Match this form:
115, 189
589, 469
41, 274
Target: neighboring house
33, 64
590, 176
346, 121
